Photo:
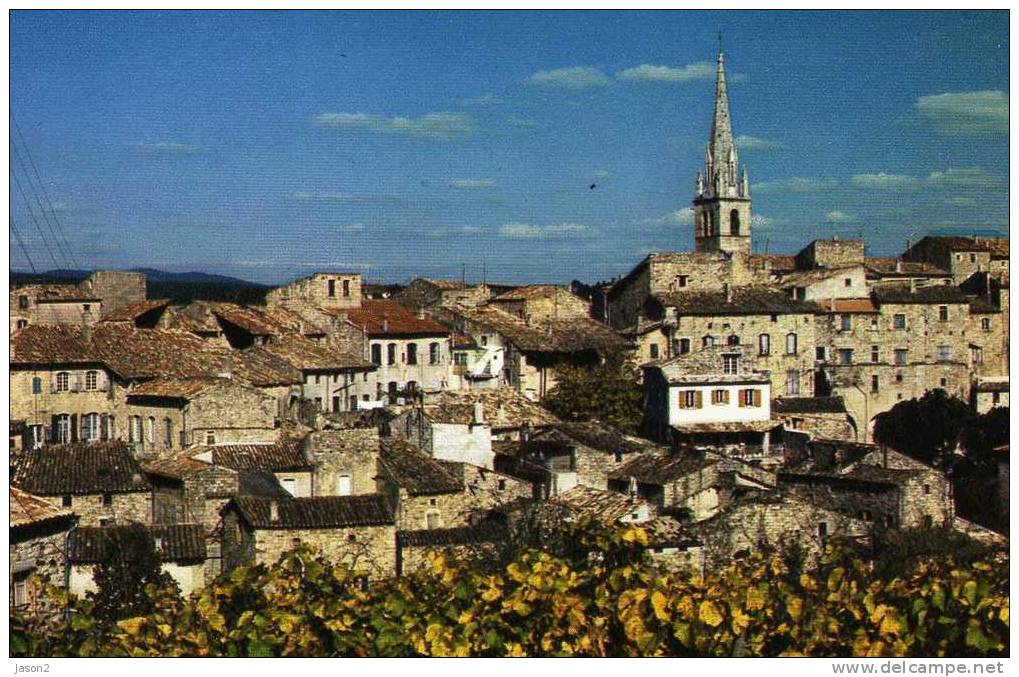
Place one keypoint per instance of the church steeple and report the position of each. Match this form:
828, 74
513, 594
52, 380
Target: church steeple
722, 203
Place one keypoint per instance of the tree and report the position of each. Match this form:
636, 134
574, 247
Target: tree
609, 392
928, 429
129, 571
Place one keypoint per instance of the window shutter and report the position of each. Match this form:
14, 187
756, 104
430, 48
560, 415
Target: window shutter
757, 398
742, 398
682, 399
53, 429
74, 427
104, 421
725, 397
698, 399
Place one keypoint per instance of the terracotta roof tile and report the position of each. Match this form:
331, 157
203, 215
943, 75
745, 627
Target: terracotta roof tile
131, 311
609, 506
181, 388
278, 457
173, 542
662, 468
485, 532
80, 468
27, 509
54, 293
501, 407
408, 467
317, 512
553, 336
847, 305
385, 317
304, 354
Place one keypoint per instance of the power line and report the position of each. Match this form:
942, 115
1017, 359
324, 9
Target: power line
42, 187
21, 242
64, 252
31, 214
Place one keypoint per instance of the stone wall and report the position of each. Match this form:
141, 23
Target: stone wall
992, 342
115, 287
882, 507
122, 508
314, 291
40, 408
825, 425
335, 453
831, 254
369, 550
37, 553
237, 414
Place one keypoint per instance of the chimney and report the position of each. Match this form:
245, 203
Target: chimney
912, 285
898, 265
274, 512
385, 325
421, 313
479, 414
728, 292
226, 367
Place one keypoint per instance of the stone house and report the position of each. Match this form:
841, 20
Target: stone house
987, 333
824, 417
988, 394
99, 482
476, 540
650, 340
345, 461
38, 537
355, 531
321, 290
411, 351
286, 461
541, 302
834, 253
961, 256
426, 293
768, 522
145, 314
890, 270
49, 304
180, 548
475, 366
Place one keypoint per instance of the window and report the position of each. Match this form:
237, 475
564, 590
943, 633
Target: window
90, 427
719, 396
62, 433
346, 288
502, 484
38, 436
392, 392
873, 323
412, 353
65, 501
681, 280
63, 382
944, 353
23, 302
106, 500
734, 222
791, 346
412, 386
352, 403
20, 580
848, 282
820, 353
134, 429
36, 385
943, 313
210, 437
845, 322
391, 353
898, 378
344, 485
750, 397
150, 437
797, 423
654, 351
22, 324
985, 323
845, 356
318, 404
432, 520
875, 384
91, 380
899, 321
433, 353
733, 340
764, 344
944, 382
376, 353
822, 530
875, 354
792, 382
332, 287
289, 485
168, 433
972, 258
690, 399
927, 489
708, 341
901, 356
460, 358
730, 364
976, 354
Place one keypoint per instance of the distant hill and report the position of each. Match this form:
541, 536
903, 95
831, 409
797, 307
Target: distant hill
181, 287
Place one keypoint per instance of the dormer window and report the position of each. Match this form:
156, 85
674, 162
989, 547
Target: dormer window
730, 364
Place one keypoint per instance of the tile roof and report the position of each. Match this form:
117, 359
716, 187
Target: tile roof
385, 317
79, 468
196, 317
54, 293
409, 468
251, 319
314, 512
777, 261
174, 542
178, 388
553, 336
808, 405
502, 408
131, 311
991, 386
660, 468
277, 457
448, 285
756, 300
960, 243
666, 531
484, 532
26, 509
726, 427
262, 368
463, 341
847, 305
533, 291
610, 506
892, 266
309, 355
603, 437
901, 294
176, 467
836, 479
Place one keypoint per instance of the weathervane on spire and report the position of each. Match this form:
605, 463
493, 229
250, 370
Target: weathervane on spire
719, 40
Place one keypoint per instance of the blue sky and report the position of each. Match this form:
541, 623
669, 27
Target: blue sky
268, 145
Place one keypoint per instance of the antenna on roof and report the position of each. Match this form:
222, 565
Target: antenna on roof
484, 272
463, 275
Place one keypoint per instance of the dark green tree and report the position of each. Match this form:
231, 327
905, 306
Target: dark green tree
609, 392
127, 574
928, 429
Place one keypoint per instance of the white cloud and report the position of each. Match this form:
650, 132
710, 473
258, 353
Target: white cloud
446, 231
680, 217
527, 231
601, 174
472, 183
483, 100
702, 70
435, 126
838, 216
747, 142
351, 228
950, 179
795, 185
966, 113
575, 78
761, 221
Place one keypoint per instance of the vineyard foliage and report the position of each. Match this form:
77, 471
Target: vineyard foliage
614, 603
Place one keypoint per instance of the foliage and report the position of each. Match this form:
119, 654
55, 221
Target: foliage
609, 392
983, 434
896, 552
612, 603
131, 564
929, 429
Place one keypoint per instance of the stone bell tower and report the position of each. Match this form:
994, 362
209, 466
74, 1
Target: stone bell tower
722, 203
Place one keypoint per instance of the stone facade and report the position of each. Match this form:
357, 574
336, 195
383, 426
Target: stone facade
95, 510
325, 290
831, 254
41, 394
538, 303
115, 287
344, 460
37, 557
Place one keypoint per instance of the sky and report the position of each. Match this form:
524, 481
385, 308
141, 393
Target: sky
514, 146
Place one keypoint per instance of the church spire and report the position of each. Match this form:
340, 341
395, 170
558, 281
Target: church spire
722, 168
